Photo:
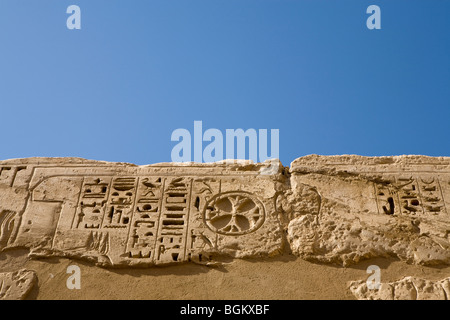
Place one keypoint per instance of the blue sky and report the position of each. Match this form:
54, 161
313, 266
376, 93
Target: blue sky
137, 70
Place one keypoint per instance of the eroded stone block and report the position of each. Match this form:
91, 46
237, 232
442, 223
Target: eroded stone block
408, 288
372, 207
16, 285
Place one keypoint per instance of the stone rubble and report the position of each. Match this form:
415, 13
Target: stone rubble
16, 285
408, 288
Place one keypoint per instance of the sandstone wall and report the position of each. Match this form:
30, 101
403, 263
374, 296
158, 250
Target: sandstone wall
332, 209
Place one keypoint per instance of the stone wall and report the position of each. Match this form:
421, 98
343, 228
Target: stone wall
328, 209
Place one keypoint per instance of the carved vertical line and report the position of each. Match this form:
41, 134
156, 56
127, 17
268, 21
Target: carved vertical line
33, 171
163, 192
133, 210
17, 226
4, 225
13, 176
16, 229
442, 194
105, 213
376, 196
216, 234
420, 194
188, 216
398, 191
61, 209
78, 203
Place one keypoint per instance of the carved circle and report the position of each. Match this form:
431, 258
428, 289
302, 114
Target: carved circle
234, 213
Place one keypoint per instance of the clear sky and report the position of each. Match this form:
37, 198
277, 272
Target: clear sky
137, 70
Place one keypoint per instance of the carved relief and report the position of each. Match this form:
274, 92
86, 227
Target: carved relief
410, 196
234, 213
136, 218
144, 224
432, 196
120, 214
387, 199
11, 175
7, 220
120, 203
98, 241
92, 203
173, 224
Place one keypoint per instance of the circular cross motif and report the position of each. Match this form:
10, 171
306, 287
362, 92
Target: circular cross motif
233, 213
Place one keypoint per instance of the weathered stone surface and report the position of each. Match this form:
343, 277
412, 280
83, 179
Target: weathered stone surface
371, 207
338, 209
408, 288
16, 285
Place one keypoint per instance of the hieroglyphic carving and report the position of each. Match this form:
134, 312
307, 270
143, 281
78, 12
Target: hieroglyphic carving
120, 203
8, 174
160, 220
153, 213
432, 196
126, 215
173, 225
386, 198
92, 203
120, 214
145, 220
6, 227
200, 238
410, 196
